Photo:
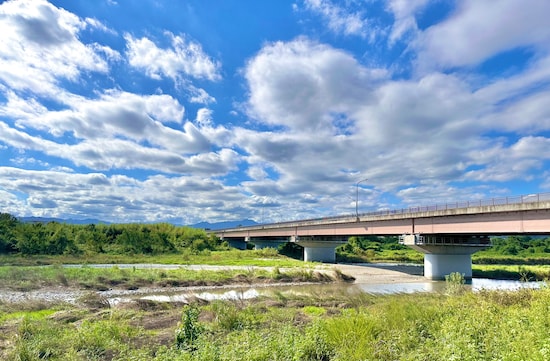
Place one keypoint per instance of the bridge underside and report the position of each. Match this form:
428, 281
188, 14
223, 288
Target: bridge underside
316, 248
443, 253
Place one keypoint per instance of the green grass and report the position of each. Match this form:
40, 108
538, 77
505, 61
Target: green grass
26, 278
31, 315
513, 272
265, 257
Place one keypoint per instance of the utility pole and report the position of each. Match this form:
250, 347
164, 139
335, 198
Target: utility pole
357, 198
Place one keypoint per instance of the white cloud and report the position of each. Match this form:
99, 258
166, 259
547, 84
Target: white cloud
118, 114
320, 119
184, 58
117, 197
339, 19
257, 173
204, 117
403, 132
40, 46
480, 29
404, 12
304, 85
517, 161
528, 115
199, 95
164, 108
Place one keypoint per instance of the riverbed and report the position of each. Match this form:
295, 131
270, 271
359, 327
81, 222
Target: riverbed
369, 278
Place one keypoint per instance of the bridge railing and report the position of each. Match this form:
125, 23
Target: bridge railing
531, 198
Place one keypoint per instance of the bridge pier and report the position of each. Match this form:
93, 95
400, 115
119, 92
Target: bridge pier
319, 248
236, 242
267, 242
445, 254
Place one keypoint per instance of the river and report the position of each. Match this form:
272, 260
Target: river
369, 278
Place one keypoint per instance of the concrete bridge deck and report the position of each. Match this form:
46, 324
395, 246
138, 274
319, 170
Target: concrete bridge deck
452, 229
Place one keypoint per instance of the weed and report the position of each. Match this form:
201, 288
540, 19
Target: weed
190, 330
454, 283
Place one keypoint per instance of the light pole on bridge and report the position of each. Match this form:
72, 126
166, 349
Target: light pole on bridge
357, 198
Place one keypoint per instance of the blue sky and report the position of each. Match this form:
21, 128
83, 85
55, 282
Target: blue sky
188, 111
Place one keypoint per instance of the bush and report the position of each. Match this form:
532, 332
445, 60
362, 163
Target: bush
190, 330
454, 283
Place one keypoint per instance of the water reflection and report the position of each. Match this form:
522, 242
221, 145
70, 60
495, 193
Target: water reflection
208, 296
489, 284
476, 284
240, 293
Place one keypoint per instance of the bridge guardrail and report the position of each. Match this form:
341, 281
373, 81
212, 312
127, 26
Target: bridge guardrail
530, 198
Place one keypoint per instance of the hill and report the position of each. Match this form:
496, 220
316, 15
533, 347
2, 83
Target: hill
223, 225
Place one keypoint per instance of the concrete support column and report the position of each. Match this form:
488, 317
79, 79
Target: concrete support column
320, 249
437, 266
445, 254
267, 242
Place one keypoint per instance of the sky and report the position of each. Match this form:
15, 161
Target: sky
202, 110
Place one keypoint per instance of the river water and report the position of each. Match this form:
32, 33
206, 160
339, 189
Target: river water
370, 278
243, 293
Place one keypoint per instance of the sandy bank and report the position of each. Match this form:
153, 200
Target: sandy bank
381, 273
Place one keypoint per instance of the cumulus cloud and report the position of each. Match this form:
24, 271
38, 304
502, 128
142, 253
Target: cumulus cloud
181, 199
184, 58
118, 114
302, 84
40, 46
480, 29
505, 163
315, 118
400, 133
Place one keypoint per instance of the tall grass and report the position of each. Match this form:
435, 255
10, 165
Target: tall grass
29, 278
489, 325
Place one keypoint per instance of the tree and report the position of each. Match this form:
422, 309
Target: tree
8, 229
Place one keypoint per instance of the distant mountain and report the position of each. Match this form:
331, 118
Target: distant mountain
59, 220
223, 225
203, 225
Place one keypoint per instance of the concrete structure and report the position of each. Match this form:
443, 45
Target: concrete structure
446, 254
319, 248
267, 242
447, 234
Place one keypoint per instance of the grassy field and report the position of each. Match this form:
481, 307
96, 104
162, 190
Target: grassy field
265, 257
513, 272
489, 325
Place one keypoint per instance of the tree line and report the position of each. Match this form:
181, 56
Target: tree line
520, 246
54, 238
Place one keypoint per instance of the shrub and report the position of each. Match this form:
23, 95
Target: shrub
454, 283
190, 330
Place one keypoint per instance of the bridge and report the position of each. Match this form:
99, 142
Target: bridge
447, 234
